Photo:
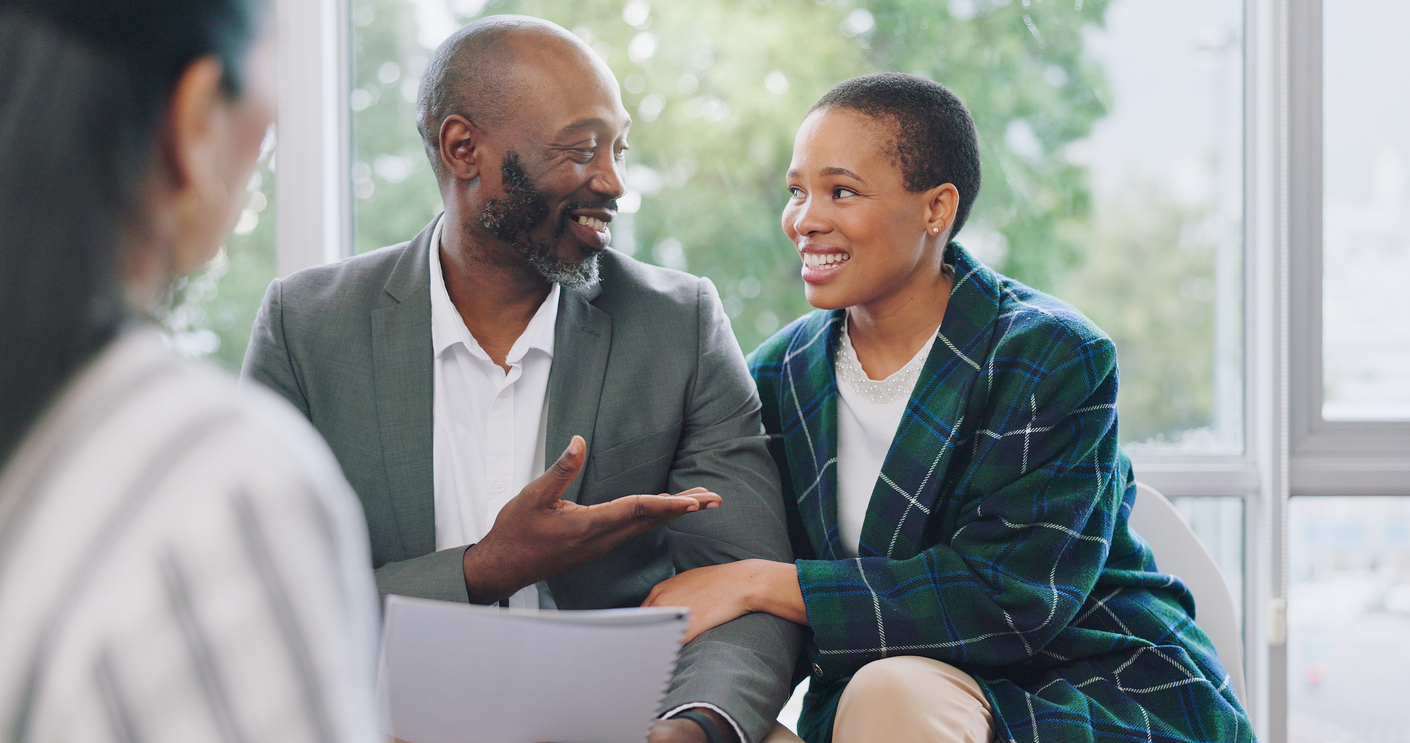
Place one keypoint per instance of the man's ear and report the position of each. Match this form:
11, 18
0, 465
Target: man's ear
461, 147
942, 203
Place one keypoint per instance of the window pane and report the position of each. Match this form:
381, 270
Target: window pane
211, 312
1112, 157
394, 192
1348, 619
1160, 264
1365, 211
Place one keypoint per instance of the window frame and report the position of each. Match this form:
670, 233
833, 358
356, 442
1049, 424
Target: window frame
1289, 449
1342, 457
314, 130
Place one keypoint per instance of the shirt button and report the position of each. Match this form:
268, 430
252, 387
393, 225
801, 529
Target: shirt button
499, 487
817, 670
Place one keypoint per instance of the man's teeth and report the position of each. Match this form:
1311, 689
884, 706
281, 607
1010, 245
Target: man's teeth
596, 224
824, 260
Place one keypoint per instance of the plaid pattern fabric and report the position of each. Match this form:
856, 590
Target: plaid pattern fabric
996, 538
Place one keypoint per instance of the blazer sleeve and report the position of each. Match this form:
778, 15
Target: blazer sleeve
1038, 503
743, 667
267, 358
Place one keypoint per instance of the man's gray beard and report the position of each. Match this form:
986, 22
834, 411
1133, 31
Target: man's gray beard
579, 276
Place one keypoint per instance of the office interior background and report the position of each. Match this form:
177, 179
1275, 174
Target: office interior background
1221, 185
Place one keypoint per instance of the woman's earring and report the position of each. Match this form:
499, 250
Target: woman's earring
935, 230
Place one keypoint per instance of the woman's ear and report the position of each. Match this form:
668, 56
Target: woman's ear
942, 203
200, 203
194, 149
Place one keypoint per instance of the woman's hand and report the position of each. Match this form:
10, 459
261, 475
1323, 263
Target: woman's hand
719, 593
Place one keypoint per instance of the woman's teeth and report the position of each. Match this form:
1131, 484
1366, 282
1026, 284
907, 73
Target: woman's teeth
596, 224
824, 260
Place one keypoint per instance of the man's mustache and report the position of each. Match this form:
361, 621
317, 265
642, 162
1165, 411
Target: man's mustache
603, 203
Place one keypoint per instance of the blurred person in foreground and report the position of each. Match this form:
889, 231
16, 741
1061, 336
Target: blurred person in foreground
447, 371
180, 560
955, 492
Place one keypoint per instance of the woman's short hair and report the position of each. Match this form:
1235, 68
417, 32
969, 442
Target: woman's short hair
935, 139
84, 85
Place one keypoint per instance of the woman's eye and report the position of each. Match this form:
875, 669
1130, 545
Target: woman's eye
795, 192
840, 193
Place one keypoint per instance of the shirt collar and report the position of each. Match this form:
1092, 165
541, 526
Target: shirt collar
448, 328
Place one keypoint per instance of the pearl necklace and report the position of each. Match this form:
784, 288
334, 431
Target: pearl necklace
878, 391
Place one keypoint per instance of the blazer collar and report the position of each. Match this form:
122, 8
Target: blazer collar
411, 275
582, 344
404, 384
808, 400
934, 423
939, 415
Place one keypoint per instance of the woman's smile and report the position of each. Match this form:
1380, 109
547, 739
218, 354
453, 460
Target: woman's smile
821, 263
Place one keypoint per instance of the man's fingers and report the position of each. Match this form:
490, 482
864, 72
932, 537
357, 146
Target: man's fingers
705, 498
550, 486
655, 507
648, 510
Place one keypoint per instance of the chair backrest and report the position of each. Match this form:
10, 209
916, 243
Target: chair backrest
1179, 552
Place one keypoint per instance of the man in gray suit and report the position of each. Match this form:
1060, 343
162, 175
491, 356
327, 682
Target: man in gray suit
445, 372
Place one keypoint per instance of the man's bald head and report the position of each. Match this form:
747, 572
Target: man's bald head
479, 72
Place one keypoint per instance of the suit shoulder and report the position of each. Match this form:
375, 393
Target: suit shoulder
342, 280
629, 284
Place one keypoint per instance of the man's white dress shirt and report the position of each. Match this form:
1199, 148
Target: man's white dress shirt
490, 425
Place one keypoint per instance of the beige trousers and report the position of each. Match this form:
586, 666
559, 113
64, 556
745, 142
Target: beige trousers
908, 699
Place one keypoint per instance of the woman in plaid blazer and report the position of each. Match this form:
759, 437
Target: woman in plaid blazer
975, 529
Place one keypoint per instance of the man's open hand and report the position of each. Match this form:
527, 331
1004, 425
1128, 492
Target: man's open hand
538, 534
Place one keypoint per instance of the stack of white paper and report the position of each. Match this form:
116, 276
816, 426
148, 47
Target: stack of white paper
454, 673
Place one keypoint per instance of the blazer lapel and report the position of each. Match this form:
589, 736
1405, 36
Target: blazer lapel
582, 341
934, 422
808, 401
404, 383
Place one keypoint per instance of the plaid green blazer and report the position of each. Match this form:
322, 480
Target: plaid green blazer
996, 539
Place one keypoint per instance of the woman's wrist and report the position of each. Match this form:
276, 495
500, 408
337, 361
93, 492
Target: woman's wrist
774, 590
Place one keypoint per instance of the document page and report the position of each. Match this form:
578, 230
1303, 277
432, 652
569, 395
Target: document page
456, 673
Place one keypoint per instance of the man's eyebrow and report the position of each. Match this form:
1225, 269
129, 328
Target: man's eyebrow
587, 123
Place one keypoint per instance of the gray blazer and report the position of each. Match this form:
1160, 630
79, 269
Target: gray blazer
645, 368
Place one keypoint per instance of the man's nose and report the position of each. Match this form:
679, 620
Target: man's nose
609, 179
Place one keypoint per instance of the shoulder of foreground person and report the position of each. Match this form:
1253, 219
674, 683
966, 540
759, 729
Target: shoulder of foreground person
204, 563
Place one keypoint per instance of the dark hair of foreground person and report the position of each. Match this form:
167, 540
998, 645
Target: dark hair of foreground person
83, 87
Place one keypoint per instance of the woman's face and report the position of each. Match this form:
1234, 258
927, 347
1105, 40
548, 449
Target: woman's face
215, 140
861, 235
241, 128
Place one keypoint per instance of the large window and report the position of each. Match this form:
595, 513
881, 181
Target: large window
1113, 161
1349, 619
1366, 211
1220, 184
